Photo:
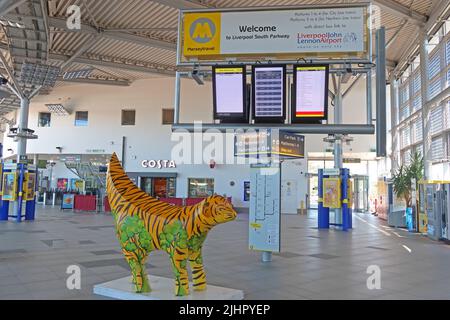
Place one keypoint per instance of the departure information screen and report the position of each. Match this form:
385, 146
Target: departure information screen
229, 92
269, 92
310, 93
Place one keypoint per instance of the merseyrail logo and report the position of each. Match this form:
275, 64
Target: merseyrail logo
201, 34
202, 30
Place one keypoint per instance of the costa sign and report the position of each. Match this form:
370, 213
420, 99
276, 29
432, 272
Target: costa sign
160, 164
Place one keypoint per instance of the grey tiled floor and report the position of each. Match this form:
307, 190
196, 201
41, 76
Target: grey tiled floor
313, 264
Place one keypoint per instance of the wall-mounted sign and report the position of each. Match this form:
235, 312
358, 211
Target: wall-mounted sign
62, 184
342, 31
160, 164
95, 151
268, 143
289, 145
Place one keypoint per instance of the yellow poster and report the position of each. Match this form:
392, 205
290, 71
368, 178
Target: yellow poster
201, 34
332, 192
350, 193
29, 186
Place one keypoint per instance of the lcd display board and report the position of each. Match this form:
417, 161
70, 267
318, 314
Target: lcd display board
310, 93
229, 94
269, 93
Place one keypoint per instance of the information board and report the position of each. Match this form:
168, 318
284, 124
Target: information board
229, 94
68, 201
288, 144
310, 94
315, 31
265, 207
270, 142
269, 93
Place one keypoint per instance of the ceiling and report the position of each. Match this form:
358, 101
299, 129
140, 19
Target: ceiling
125, 40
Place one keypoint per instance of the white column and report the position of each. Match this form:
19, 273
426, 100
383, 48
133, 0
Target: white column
425, 108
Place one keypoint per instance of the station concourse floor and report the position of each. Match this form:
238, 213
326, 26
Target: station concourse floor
313, 264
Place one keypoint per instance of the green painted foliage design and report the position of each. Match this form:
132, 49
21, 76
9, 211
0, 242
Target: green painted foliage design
133, 234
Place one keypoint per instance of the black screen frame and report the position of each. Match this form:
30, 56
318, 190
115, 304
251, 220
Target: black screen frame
280, 119
231, 117
294, 118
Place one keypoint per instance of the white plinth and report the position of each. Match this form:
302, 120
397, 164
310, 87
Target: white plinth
163, 289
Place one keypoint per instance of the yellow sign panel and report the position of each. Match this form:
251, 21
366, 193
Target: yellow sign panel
201, 34
29, 186
332, 192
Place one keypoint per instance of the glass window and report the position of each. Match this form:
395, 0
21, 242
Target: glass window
200, 187
167, 116
81, 118
44, 119
128, 117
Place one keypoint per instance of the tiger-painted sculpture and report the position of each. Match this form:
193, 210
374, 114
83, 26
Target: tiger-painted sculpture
144, 224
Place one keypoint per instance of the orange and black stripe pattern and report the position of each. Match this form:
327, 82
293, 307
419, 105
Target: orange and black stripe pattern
178, 230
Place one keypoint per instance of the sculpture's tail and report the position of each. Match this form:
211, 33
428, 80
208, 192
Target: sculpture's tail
125, 198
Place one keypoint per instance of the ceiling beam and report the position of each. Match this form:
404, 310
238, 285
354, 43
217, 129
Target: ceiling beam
97, 81
402, 11
114, 35
9, 5
181, 4
114, 65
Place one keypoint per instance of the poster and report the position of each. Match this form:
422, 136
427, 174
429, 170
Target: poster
9, 186
67, 201
77, 185
62, 183
324, 32
332, 192
29, 186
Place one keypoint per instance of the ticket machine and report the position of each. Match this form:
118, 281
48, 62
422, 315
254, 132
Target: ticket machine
434, 201
18, 183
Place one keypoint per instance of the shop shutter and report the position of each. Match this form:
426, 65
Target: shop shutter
434, 65
437, 149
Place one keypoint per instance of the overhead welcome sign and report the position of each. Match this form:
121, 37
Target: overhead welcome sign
306, 32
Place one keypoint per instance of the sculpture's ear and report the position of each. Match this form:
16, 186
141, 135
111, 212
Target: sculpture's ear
206, 208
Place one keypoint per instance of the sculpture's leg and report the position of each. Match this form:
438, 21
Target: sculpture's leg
179, 264
198, 273
137, 266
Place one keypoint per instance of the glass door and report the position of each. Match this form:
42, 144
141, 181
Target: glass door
146, 185
160, 187
313, 184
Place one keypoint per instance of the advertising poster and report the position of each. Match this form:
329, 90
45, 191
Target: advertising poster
62, 183
77, 185
332, 192
67, 201
29, 186
330, 31
9, 186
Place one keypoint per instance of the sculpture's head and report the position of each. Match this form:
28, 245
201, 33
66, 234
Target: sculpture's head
217, 209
